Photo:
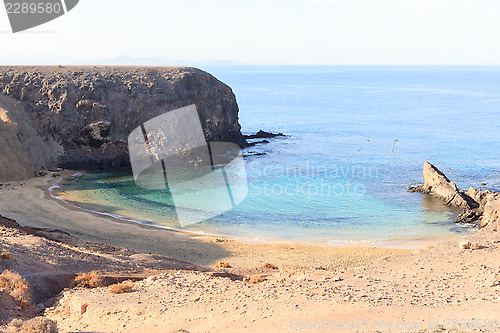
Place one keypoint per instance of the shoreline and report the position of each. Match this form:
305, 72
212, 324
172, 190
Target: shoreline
27, 203
401, 243
175, 285
309, 283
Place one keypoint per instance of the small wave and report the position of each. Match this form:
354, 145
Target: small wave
347, 241
121, 218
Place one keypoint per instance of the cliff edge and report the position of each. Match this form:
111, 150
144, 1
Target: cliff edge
79, 117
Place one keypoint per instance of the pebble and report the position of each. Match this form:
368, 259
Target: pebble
465, 245
495, 283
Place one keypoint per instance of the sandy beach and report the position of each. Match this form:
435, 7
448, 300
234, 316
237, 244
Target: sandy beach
30, 204
175, 285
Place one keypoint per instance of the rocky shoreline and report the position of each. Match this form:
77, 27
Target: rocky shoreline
477, 206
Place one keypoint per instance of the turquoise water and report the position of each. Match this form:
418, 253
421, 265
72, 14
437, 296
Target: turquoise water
356, 138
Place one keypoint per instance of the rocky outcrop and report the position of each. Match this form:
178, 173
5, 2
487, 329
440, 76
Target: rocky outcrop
478, 206
491, 212
489, 205
437, 184
263, 135
80, 117
469, 215
94, 134
260, 135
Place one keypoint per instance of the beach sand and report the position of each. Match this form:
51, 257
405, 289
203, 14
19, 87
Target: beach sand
29, 203
314, 287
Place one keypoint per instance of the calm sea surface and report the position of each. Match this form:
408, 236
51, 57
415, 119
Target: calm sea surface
356, 137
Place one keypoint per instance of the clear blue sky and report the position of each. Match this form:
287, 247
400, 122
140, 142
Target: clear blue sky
336, 32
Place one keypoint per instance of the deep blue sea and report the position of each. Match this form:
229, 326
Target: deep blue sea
356, 138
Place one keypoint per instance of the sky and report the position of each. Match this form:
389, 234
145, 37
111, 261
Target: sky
270, 32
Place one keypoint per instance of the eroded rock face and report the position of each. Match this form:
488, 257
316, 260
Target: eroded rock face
489, 205
482, 197
94, 134
14, 161
478, 206
85, 114
491, 212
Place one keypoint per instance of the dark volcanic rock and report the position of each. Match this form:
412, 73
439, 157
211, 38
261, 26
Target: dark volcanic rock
469, 216
94, 134
80, 117
263, 135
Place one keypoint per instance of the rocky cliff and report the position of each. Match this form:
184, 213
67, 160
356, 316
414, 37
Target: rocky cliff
14, 162
80, 117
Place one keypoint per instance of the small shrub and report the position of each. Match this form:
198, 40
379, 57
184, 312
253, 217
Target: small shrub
17, 287
222, 264
269, 266
120, 288
6, 256
87, 280
35, 325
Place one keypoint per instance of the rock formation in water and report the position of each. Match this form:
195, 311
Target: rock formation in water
477, 206
263, 135
80, 117
437, 184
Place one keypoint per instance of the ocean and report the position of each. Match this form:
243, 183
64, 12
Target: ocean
355, 139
